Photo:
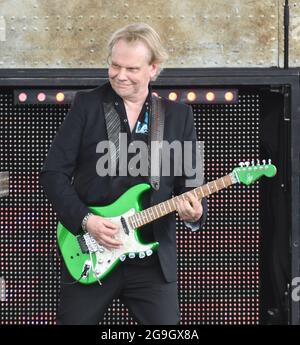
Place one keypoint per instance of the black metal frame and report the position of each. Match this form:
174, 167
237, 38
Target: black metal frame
269, 77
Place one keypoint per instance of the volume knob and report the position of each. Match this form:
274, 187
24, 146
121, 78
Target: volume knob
142, 255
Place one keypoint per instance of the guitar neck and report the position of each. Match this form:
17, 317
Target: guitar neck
155, 212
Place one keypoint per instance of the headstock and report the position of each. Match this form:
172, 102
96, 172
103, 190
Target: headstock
248, 172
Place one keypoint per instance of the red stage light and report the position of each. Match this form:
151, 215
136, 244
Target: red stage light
41, 97
22, 97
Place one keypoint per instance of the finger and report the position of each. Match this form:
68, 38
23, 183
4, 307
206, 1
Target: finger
179, 207
181, 210
193, 213
187, 205
195, 202
111, 242
189, 196
108, 232
111, 225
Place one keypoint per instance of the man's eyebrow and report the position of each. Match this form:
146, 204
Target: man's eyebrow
131, 67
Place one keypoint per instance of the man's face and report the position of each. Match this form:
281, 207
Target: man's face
129, 71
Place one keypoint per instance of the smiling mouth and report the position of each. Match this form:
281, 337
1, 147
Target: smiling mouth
122, 85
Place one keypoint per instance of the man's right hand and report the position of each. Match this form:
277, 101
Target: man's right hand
103, 231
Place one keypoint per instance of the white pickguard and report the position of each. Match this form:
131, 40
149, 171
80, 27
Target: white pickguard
105, 258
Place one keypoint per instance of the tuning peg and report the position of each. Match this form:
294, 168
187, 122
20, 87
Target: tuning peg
122, 257
269, 161
258, 162
149, 252
241, 164
142, 255
264, 162
247, 164
253, 162
131, 255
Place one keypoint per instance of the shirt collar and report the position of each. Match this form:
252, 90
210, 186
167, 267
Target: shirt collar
117, 100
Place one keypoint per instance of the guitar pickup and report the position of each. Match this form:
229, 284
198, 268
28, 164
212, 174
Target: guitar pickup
124, 225
82, 244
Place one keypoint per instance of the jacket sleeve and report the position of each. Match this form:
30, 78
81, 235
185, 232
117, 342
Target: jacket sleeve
60, 164
187, 181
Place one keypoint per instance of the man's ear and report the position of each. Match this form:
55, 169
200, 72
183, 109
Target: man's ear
153, 70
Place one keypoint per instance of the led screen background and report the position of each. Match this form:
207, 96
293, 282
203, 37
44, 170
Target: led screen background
218, 268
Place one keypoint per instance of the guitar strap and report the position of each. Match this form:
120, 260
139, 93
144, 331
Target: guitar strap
157, 120
113, 127
155, 141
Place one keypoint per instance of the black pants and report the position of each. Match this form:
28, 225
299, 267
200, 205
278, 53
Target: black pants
142, 288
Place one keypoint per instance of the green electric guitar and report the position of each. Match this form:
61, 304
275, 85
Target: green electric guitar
89, 262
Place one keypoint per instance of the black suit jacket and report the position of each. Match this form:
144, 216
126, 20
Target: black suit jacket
69, 175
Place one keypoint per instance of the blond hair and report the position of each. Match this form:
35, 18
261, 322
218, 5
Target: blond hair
141, 32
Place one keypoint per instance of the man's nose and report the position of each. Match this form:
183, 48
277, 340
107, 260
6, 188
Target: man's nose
122, 74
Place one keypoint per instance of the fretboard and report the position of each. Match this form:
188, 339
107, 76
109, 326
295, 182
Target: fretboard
155, 212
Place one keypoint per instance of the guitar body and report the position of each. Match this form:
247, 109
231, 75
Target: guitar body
91, 265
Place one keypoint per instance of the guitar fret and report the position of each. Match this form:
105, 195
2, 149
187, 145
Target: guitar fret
130, 221
139, 223
135, 222
159, 210
208, 188
146, 215
170, 207
164, 204
142, 217
195, 193
216, 185
155, 211
150, 211
223, 182
202, 192
160, 206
